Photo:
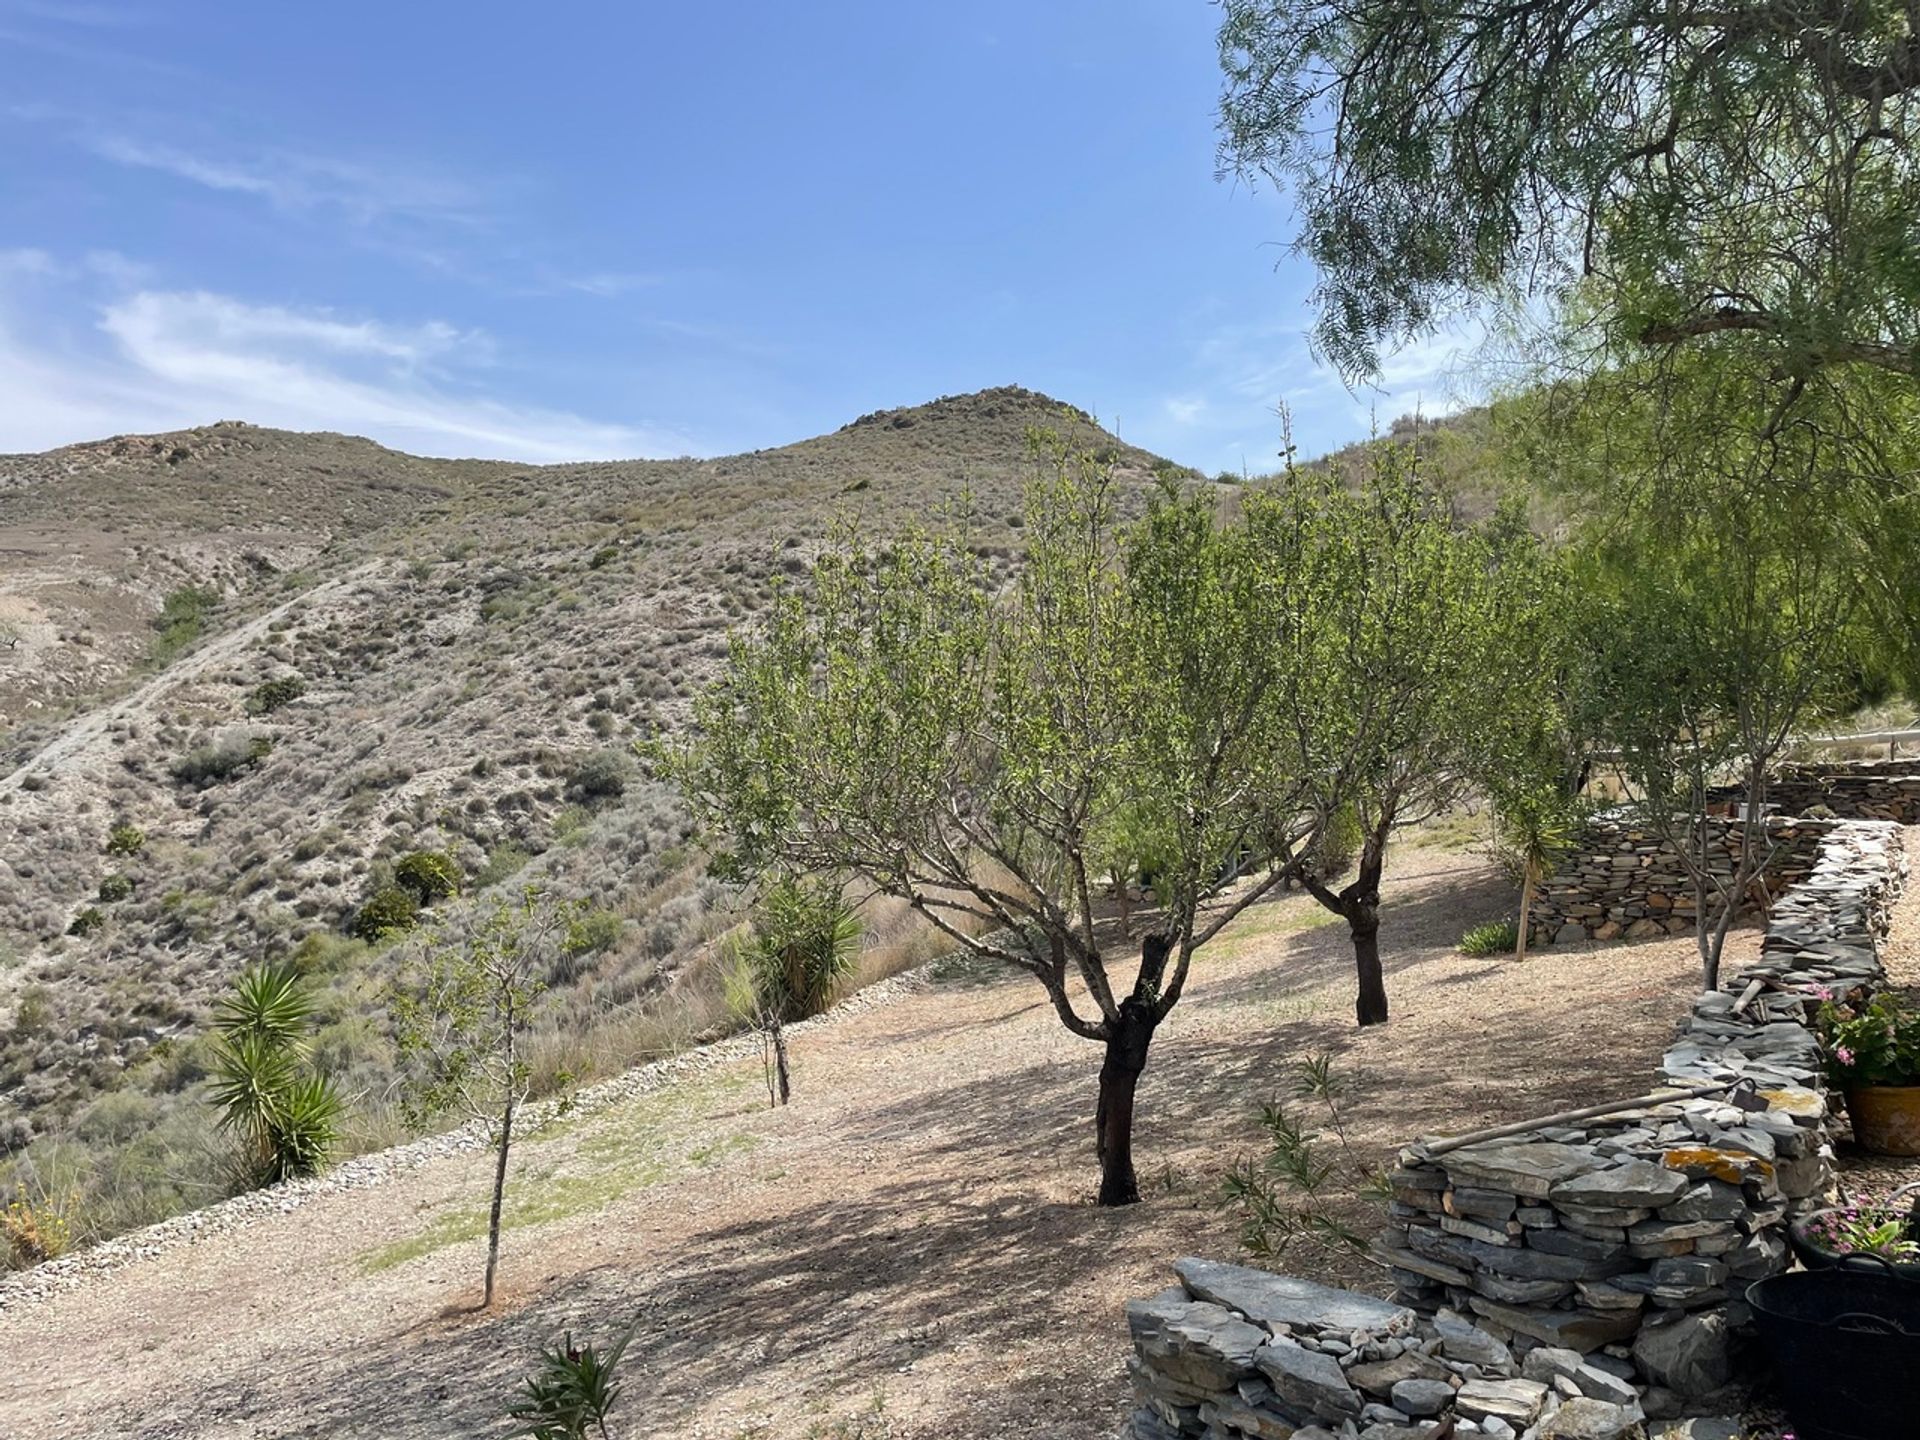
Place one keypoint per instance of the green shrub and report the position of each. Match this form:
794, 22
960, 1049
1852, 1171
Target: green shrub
36, 1228
602, 775
571, 1392
181, 619
114, 888
391, 911
211, 764
87, 921
1497, 937
274, 694
429, 875
125, 840
604, 557
503, 862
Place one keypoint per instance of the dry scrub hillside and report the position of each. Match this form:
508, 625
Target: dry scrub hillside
288, 660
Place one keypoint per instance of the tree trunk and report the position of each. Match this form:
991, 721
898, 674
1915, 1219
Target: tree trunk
1127, 1041
1371, 1005
780, 1061
1526, 908
499, 1193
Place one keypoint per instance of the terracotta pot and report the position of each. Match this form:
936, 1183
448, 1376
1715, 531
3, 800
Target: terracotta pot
1886, 1118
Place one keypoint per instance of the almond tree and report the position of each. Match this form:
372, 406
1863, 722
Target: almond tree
907, 723
1415, 638
462, 1011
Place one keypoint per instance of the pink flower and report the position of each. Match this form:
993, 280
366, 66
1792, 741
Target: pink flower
1843, 1054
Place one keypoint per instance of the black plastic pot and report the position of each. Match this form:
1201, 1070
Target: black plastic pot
1842, 1341
1815, 1256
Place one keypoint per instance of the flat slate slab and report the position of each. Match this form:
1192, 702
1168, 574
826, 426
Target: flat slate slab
1530, 1169
1285, 1300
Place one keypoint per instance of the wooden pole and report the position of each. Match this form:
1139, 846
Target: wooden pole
1589, 1112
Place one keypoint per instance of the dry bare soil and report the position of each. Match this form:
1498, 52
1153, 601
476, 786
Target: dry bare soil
906, 1252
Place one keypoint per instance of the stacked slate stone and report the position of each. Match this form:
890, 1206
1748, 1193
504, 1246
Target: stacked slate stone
1236, 1354
1626, 881
1856, 790
1584, 1278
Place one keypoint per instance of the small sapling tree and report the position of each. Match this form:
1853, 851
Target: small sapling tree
800, 947
462, 1010
909, 723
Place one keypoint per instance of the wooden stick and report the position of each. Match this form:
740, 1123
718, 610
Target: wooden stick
1589, 1112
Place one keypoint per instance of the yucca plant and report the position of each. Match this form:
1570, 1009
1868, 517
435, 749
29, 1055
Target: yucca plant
287, 1117
803, 945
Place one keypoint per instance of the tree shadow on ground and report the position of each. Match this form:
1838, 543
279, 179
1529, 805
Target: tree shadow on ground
830, 1299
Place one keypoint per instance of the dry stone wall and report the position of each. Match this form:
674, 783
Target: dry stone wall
1627, 881
1580, 1281
1848, 790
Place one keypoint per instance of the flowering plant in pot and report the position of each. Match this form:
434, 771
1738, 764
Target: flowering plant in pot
1887, 1229
1873, 1056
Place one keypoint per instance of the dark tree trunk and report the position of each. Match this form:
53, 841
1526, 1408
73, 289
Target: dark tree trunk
1364, 921
499, 1193
1127, 1041
780, 1061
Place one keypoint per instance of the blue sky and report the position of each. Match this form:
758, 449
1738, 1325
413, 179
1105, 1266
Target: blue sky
596, 230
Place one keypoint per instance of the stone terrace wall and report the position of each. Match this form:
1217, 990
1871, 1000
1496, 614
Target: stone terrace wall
1851, 790
1581, 1278
1626, 881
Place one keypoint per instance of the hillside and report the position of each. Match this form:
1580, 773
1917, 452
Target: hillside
465, 652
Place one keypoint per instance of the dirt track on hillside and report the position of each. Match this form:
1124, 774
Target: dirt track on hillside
906, 1252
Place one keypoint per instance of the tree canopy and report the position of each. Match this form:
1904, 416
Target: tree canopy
1725, 170
908, 725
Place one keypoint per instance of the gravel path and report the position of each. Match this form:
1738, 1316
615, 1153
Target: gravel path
906, 1252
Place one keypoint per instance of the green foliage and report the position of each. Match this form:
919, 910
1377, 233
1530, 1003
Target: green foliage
210, 764
903, 718
182, 616
1293, 1193
36, 1227
286, 1115
1712, 174
600, 776
126, 840
429, 875
1877, 1043
462, 1011
115, 888
272, 695
571, 1392
803, 944
391, 911
1496, 937
87, 922
603, 557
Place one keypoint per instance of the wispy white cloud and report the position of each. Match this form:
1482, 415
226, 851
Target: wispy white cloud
364, 191
164, 360
1242, 377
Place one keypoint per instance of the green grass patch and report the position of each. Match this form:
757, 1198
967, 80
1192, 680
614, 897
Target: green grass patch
658, 1138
